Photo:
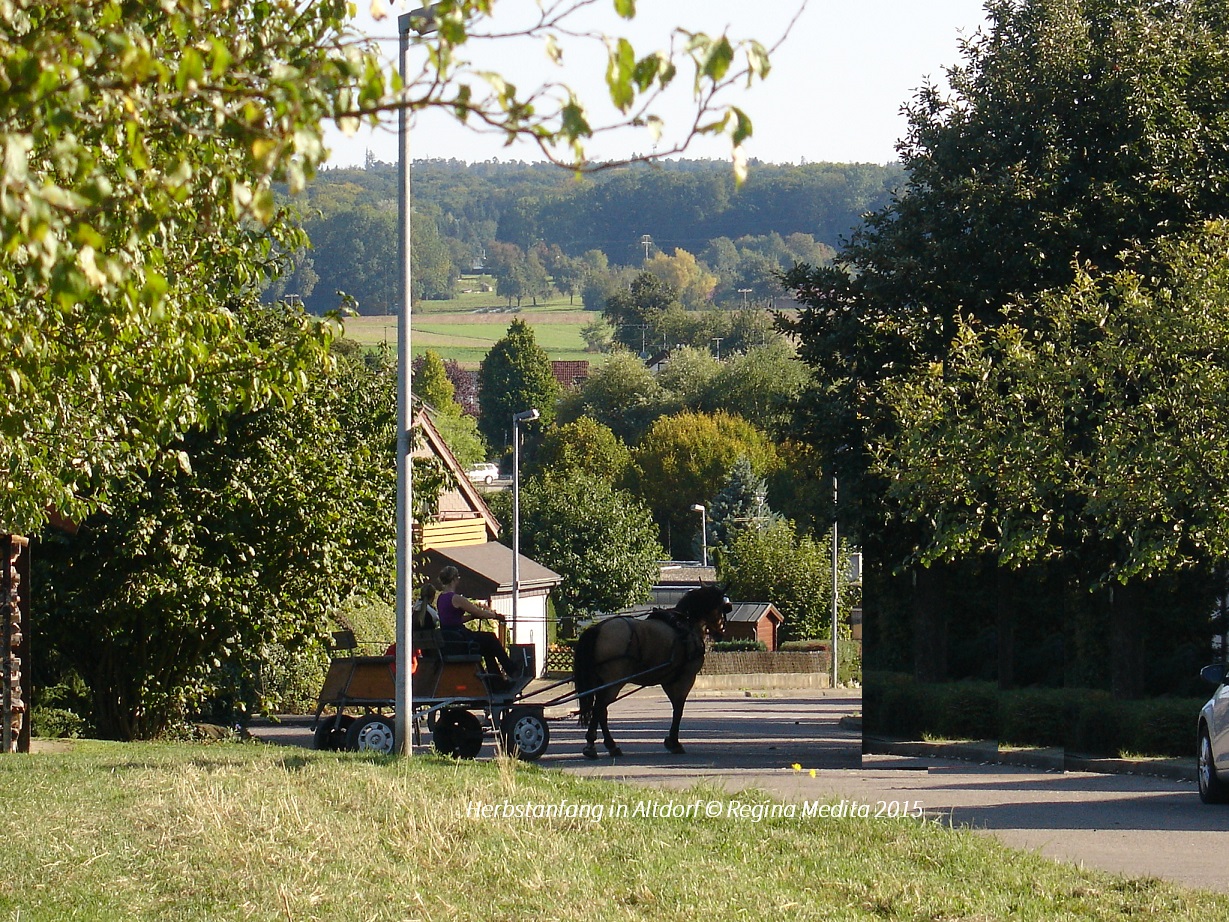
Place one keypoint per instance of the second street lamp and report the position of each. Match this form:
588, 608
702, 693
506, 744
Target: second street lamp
517, 418
699, 507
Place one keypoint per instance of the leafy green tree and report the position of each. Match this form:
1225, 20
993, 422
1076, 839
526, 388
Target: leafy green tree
597, 334
433, 386
140, 148
762, 384
687, 377
634, 312
1082, 429
1075, 133
584, 446
162, 603
622, 395
794, 572
515, 376
685, 459
600, 539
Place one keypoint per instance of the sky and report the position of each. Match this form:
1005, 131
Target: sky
837, 84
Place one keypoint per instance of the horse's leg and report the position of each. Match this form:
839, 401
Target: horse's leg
607, 699
597, 714
677, 692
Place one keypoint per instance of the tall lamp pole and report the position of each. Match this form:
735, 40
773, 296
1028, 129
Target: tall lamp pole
699, 507
421, 22
517, 418
836, 587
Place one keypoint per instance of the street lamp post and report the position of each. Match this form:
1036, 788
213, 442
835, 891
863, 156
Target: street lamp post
699, 507
836, 584
422, 22
517, 418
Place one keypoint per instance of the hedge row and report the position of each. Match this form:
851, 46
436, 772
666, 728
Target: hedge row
1082, 721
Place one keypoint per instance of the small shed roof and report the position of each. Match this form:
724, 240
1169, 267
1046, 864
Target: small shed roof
753, 612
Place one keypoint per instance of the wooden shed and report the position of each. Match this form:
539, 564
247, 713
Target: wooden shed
755, 621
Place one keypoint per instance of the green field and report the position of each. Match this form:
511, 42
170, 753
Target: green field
111, 831
465, 335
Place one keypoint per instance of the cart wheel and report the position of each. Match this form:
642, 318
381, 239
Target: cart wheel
331, 733
525, 733
373, 733
458, 733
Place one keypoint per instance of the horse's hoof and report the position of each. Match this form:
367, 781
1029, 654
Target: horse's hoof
675, 746
589, 752
614, 751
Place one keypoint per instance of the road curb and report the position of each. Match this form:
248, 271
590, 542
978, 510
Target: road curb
1056, 760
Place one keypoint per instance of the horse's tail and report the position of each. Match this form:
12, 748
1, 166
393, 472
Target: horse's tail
584, 672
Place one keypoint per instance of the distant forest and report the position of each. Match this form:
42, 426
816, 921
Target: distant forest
541, 230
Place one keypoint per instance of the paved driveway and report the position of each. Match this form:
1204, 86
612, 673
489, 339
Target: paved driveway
1123, 823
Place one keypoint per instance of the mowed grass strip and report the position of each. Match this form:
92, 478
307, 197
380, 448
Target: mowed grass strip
175, 831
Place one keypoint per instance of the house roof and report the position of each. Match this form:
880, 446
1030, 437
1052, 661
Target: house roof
685, 573
486, 569
464, 497
570, 373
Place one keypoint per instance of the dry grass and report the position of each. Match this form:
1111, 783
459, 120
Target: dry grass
108, 831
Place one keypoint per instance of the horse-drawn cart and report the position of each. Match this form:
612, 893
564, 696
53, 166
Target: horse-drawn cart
450, 691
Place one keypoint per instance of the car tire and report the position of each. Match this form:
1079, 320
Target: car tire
1211, 789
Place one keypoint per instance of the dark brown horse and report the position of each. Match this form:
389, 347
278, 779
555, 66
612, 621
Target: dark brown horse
666, 649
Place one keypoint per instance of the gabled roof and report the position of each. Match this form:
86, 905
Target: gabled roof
470, 499
753, 612
486, 569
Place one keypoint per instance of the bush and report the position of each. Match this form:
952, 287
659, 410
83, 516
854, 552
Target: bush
740, 646
1037, 717
966, 710
56, 723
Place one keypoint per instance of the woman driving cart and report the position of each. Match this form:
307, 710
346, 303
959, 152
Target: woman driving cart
455, 610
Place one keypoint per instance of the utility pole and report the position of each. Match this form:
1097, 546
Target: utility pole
646, 241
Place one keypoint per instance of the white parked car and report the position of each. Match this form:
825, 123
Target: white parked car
484, 473
1214, 739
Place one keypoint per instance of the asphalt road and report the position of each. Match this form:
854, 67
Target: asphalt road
1128, 824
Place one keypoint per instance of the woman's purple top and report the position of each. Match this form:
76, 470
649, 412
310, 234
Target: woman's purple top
450, 615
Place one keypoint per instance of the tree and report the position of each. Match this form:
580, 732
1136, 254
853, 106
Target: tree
600, 539
794, 572
141, 145
515, 376
634, 312
622, 395
597, 334
687, 377
1082, 429
740, 505
584, 446
433, 386
693, 282
762, 383
1076, 133
162, 603
685, 459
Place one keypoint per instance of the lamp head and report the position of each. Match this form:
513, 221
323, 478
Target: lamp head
526, 416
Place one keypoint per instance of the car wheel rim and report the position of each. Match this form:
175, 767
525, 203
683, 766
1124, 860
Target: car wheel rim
1205, 764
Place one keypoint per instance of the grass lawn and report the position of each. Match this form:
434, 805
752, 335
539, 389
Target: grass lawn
178, 831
